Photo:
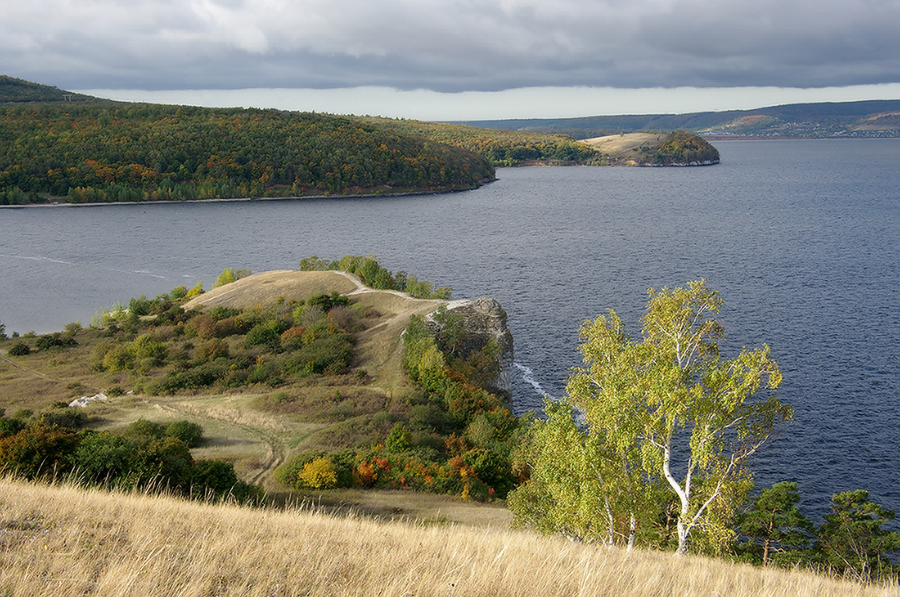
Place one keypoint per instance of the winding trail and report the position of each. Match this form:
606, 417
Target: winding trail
275, 456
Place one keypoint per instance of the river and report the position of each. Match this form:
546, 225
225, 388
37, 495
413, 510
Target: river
800, 238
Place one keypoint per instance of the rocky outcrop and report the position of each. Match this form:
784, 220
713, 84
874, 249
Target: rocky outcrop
467, 326
85, 400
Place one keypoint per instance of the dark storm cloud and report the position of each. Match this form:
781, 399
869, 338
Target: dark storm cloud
451, 45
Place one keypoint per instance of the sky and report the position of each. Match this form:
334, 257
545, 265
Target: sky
460, 59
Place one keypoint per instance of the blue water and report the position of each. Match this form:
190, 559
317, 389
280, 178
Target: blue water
800, 237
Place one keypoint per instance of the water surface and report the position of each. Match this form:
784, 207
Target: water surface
800, 238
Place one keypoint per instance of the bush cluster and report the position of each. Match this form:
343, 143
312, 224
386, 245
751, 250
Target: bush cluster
170, 350
146, 455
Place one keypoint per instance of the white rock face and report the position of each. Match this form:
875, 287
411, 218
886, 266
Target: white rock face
85, 400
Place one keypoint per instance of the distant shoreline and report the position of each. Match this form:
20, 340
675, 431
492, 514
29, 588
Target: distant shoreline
245, 199
718, 138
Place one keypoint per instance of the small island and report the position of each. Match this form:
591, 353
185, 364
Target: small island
655, 149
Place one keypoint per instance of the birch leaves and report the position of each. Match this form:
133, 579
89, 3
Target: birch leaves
672, 418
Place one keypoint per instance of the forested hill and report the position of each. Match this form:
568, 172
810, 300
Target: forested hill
97, 151
19, 90
502, 147
877, 118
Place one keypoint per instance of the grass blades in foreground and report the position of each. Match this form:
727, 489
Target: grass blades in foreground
61, 540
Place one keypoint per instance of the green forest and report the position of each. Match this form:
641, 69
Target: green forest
501, 147
86, 153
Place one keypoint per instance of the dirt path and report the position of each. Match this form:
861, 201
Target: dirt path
276, 453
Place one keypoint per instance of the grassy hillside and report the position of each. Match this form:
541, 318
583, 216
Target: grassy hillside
256, 423
65, 541
280, 369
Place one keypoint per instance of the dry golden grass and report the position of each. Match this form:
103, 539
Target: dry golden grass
621, 147
267, 287
66, 541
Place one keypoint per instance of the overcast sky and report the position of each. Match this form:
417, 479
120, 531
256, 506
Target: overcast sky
461, 59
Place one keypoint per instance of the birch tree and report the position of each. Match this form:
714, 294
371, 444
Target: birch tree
577, 486
671, 403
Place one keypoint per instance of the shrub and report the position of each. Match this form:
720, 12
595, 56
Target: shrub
144, 429
140, 306
267, 333
211, 350
327, 302
19, 349
102, 457
226, 277
429, 417
343, 318
399, 440
492, 469
145, 348
10, 427
267, 372
332, 355
216, 476
68, 418
288, 474
262, 335
220, 313
344, 464
318, 474
196, 291
170, 313
292, 338
37, 450
199, 377
190, 433
165, 463
202, 326
229, 326
54, 340
118, 357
